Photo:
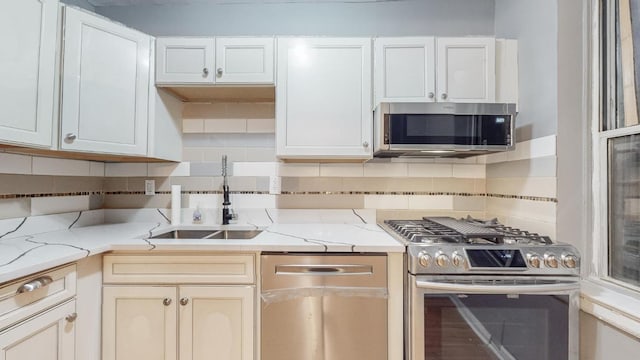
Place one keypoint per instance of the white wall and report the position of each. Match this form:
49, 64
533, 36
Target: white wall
535, 25
599, 341
411, 17
80, 3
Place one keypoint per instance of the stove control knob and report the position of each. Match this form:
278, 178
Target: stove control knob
457, 259
550, 260
424, 258
569, 260
442, 260
534, 260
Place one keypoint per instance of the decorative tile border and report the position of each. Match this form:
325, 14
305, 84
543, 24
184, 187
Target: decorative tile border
215, 192
43, 195
524, 197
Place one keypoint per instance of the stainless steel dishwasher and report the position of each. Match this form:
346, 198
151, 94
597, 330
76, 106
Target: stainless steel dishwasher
324, 307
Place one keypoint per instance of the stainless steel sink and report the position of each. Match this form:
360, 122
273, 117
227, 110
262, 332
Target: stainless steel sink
208, 234
234, 234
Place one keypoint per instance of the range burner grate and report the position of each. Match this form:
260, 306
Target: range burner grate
469, 230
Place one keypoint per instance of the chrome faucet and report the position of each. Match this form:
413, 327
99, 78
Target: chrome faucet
227, 212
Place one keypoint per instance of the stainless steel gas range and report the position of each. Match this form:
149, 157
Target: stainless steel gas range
482, 290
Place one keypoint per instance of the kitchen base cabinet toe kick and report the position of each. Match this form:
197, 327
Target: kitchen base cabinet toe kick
155, 316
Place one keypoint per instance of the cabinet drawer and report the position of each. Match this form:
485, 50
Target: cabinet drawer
33, 294
179, 269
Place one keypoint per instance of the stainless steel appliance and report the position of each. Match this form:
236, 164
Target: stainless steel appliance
442, 129
324, 307
482, 290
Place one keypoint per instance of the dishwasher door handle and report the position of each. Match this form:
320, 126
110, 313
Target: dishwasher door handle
324, 270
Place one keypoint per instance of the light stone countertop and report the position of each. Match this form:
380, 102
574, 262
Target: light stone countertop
25, 252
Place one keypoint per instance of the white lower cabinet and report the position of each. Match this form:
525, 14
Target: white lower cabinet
149, 322
139, 323
48, 336
216, 322
166, 307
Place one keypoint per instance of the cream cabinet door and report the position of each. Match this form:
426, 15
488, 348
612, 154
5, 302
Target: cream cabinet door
139, 323
48, 336
466, 70
323, 98
28, 31
405, 69
185, 60
244, 60
216, 322
105, 86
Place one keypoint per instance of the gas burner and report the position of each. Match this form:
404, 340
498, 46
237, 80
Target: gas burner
480, 222
438, 230
444, 245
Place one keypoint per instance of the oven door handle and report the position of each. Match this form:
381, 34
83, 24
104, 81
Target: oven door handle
498, 289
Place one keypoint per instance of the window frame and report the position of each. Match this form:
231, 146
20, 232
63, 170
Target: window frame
607, 299
606, 96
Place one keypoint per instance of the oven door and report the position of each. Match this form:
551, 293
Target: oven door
492, 317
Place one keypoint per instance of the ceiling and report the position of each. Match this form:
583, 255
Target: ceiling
184, 2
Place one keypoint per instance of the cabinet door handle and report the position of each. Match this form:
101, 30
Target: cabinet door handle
71, 317
35, 284
219, 71
166, 301
365, 144
205, 72
184, 301
431, 95
70, 137
444, 96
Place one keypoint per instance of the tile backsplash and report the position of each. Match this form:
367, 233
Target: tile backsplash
518, 187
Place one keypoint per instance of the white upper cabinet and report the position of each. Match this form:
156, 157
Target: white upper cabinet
466, 70
209, 61
105, 86
244, 60
323, 98
27, 71
185, 60
405, 69
425, 69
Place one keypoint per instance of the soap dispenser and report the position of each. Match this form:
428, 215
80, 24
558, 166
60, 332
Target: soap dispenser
197, 215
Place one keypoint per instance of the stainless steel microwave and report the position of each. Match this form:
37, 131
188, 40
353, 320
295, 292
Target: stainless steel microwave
443, 129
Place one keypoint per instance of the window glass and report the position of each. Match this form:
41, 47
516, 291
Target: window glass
624, 209
622, 31
620, 101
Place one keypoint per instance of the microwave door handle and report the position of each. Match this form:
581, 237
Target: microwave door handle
497, 289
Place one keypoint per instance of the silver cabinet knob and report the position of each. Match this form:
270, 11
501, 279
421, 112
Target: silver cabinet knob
444, 96
71, 317
365, 144
70, 137
184, 301
431, 95
205, 72
219, 71
166, 301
